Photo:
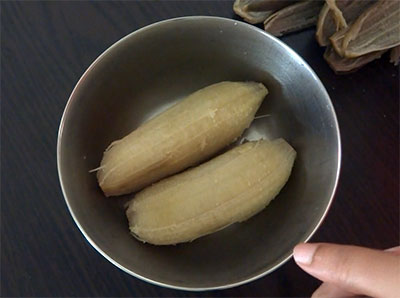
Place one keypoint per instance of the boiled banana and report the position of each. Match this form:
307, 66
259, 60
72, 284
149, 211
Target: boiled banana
227, 189
182, 136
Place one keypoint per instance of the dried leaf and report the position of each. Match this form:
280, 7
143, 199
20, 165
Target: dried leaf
325, 26
241, 8
337, 40
274, 5
395, 55
342, 65
327, 23
293, 18
337, 13
256, 11
377, 28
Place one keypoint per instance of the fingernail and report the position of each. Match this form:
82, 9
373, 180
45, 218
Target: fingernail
304, 253
393, 249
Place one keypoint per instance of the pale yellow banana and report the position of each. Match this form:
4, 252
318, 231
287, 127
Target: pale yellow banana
184, 135
227, 189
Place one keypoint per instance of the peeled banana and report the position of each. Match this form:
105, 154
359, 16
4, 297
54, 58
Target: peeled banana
227, 189
184, 135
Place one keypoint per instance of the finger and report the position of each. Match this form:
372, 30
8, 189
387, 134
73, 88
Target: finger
355, 269
327, 290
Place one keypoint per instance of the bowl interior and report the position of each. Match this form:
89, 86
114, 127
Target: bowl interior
153, 68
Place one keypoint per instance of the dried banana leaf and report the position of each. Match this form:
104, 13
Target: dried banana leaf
337, 13
256, 11
395, 55
377, 28
327, 24
337, 40
240, 7
342, 65
274, 5
293, 18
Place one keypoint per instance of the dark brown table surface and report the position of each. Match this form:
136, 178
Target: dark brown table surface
46, 46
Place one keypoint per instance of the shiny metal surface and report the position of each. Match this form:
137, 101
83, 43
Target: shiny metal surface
152, 68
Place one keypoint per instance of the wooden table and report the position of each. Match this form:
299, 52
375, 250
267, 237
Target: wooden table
46, 46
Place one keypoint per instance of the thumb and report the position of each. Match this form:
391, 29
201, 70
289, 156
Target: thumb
355, 269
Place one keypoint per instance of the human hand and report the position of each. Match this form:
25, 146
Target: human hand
347, 271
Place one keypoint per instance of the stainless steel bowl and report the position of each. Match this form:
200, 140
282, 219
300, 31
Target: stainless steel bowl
147, 71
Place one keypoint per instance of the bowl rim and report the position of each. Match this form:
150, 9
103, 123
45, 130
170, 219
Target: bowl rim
71, 100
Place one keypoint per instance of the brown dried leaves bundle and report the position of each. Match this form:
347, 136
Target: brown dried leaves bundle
376, 29
279, 16
355, 31
293, 18
341, 65
256, 11
328, 23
